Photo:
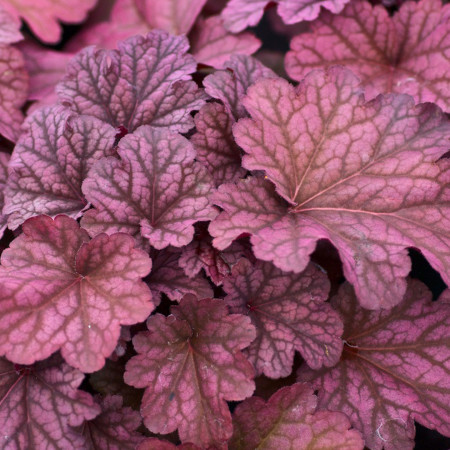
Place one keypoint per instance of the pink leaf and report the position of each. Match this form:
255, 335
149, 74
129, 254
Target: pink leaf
51, 160
213, 45
240, 14
114, 428
147, 81
4, 160
289, 314
394, 369
13, 91
42, 16
9, 27
59, 290
190, 363
174, 16
365, 176
215, 145
41, 404
156, 190
169, 278
200, 254
230, 85
289, 420
407, 53
45, 68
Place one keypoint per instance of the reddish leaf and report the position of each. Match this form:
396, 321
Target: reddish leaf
62, 291
215, 145
408, 53
190, 363
394, 369
156, 190
168, 277
289, 421
9, 27
174, 16
13, 91
157, 444
289, 314
363, 175
213, 45
240, 14
230, 85
43, 15
4, 160
40, 404
146, 81
51, 160
114, 428
200, 254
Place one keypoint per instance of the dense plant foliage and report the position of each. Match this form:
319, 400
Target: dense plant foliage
205, 249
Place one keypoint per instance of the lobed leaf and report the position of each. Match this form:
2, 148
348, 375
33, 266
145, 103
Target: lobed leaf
289, 420
406, 53
50, 162
394, 368
60, 290
40, 404
13, 91
190, 363
213, 45
156, 190
240, 14
289, 314
147, 81
114, 428
366, 176
4, 161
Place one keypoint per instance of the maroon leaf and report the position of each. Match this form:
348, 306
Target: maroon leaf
190, 363
213, 45
168, 277
289, 314
289, 420
40, 404
394, 368
156, 190
13, 91
4, 160
157, 444
114, 428
146, 81
51, 160
366, 176
408, 53
59, 290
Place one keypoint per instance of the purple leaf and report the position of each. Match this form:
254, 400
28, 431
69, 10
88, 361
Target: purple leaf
9, 27
146, 81
394, 368
190, 363
289, 420
4, 160
13, 91
213, 45
114, 428
42, 16
40, 404
365, 176
59, 290
168, 277
230, 85
156, 190
157, 444
215, 145
407, 53
289, 314
51, 160
240, 14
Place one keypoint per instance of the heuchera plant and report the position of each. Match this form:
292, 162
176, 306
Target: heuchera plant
204, 249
